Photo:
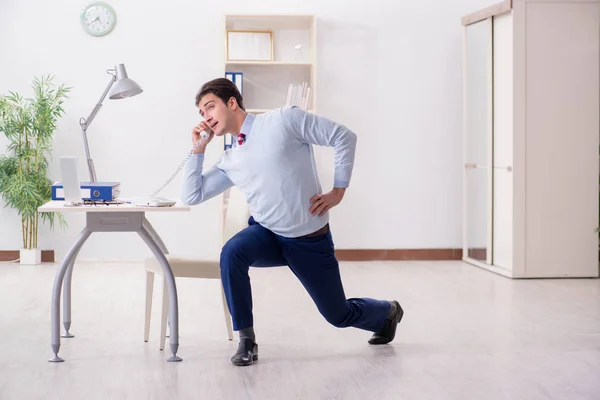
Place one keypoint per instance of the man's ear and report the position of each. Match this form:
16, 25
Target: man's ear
232, 103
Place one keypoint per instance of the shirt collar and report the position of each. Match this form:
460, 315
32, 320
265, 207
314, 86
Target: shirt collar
247, 125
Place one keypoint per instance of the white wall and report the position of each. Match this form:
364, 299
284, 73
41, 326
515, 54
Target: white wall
390, 70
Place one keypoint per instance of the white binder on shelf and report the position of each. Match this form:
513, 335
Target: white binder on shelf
299, 95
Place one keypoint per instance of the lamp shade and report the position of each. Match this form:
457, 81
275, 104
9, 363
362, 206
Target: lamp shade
123, 87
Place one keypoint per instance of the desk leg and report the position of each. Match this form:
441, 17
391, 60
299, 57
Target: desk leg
148, 227
67, 298
58, 283
173, 306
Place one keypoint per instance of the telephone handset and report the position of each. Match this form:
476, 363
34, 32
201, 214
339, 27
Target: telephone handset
155, 201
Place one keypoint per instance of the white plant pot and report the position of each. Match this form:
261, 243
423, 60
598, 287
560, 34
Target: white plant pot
30, 256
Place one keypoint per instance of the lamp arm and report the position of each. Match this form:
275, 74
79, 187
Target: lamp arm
85, 123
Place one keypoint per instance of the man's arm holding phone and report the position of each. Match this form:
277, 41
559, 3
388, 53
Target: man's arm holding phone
198, 186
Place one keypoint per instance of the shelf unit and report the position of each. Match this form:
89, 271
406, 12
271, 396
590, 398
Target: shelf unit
269, 63
264, 110
266, 83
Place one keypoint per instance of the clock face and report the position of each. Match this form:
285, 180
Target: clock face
98, 19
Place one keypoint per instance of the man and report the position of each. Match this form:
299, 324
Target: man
272, 164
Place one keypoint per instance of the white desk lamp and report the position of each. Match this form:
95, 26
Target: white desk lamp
123, 88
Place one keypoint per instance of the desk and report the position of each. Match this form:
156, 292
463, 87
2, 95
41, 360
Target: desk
110, 218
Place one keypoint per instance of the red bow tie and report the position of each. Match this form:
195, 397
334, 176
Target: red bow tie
241, 138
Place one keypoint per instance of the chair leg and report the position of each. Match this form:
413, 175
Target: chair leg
149, 292
227, 314
165, 314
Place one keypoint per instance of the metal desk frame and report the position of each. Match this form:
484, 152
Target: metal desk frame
133, 220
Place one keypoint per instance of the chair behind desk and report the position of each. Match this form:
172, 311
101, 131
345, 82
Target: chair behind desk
235, 217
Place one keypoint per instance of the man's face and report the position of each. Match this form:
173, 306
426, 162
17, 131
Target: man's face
216, 113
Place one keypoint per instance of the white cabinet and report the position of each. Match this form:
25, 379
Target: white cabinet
503, 123
531, 138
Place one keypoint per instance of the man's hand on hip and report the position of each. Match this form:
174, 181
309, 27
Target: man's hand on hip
322, 203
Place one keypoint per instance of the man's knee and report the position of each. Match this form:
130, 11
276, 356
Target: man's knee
232, 254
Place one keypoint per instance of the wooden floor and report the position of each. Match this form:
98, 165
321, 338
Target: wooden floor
467, 334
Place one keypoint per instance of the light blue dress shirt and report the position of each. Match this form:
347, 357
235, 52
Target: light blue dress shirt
275, 168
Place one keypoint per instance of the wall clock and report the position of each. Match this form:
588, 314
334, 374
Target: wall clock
98, 19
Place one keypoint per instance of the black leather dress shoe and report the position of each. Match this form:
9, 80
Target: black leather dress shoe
246, 354
388, 332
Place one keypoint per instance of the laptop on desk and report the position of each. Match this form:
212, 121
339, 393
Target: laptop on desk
70, 181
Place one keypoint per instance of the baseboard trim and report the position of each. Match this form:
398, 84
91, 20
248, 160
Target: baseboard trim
342, 255
12, 255
398, 254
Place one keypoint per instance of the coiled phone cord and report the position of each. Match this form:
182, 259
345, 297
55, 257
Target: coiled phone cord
205, 136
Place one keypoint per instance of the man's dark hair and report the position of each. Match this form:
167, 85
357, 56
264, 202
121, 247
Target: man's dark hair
223, 88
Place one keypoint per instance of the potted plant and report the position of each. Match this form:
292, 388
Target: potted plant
29, 125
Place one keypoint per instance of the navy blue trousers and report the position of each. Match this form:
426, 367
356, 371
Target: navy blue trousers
312, 260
